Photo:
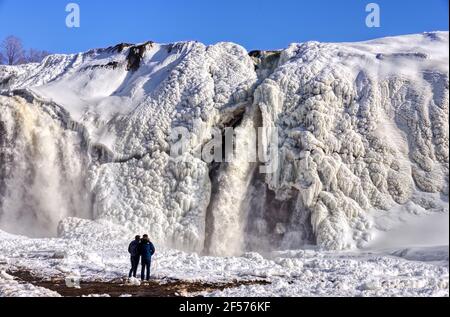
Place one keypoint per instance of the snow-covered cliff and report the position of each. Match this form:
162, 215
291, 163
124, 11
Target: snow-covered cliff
362, 139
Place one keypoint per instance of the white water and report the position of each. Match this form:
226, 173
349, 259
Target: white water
44, 174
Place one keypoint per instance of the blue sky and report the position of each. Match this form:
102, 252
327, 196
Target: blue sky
255, 24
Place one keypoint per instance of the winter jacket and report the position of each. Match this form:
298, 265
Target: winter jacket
133, 248
147, 249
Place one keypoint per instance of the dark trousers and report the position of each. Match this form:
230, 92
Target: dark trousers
134, 265
145, 268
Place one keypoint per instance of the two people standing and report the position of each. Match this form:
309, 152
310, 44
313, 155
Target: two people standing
141, 250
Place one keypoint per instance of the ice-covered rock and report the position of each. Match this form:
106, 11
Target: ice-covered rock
362, 130
357, 133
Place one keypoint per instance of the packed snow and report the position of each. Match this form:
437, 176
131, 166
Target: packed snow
308, 272
358, 205
9, 287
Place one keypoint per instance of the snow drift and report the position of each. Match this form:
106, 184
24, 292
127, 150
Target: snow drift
362, 131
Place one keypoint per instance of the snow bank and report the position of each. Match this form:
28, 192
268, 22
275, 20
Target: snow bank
9, 287
289, 273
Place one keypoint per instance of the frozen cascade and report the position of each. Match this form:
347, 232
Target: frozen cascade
42, 170
228, 207
362, 131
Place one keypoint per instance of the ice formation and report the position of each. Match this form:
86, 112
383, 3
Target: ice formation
362, 131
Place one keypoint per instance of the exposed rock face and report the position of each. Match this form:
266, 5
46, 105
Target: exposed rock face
135, 55
362, 132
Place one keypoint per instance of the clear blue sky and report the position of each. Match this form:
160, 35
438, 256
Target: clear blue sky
255, 24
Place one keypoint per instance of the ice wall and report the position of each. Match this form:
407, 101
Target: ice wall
129, 99
362, 130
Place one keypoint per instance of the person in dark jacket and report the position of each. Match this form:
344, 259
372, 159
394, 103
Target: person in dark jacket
134, 249
147, 249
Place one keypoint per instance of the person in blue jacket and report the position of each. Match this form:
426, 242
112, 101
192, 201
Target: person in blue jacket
147, 249
134, 249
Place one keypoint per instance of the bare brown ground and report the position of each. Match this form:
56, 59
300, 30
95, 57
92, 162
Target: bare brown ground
153, 288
